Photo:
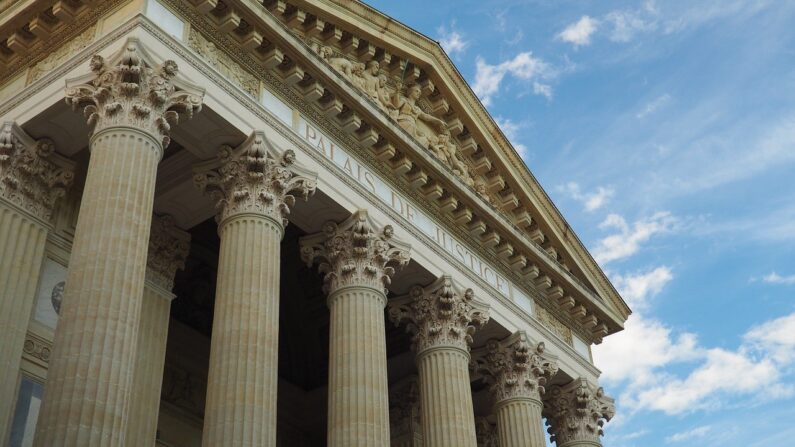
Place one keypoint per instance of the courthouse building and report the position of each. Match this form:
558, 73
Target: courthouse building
276, 223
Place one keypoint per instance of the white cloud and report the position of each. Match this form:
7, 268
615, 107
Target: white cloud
627, 241
637, 289
451, 40
579, 33
776, 337
654, 105
627, 24
592, 200
689, 435
775, 278
511, 130
523, 66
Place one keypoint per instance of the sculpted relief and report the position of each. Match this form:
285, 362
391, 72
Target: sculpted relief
403, 104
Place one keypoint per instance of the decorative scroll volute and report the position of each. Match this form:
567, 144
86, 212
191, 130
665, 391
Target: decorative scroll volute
254, 178
440, 314
515, 367
128, 91
168, 248
577, 411
32, 176
355, 253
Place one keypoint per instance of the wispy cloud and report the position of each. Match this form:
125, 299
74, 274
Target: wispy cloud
637, 288
775, 278
579, 33
689, 435
591, 200
452, 40
511, 130
625, 25
627, 241
524, 66
653, 105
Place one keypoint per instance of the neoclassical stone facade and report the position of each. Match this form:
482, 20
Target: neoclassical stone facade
275, 223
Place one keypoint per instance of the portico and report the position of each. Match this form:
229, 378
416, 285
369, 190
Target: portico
255, 223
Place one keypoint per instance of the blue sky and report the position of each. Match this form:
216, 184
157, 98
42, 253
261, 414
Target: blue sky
665, 132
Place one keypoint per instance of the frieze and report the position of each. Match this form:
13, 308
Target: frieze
223, 63
553, 324
58, 56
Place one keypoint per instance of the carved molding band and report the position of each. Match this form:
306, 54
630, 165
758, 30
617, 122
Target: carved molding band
168, 248
127, 91
37, 347
254, 178
440, 314
32, 176
577, 411
354, 253
515, 367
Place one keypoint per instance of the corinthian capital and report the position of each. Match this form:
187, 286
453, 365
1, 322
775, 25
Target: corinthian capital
168, 248
32, 176
355, 253
254, 178
128, 90
440, 314
515, 367
577, 411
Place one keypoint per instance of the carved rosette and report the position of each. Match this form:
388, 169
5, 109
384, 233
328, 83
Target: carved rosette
515, 367
355, 253
32, 176
577, 411
128, 91
168, 248
255, 178
440, 314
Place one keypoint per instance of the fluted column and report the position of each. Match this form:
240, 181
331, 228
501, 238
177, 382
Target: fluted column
253, 187
442, 318
129, 106
576, 412
32, 178
358, 262
168, 248
516, 369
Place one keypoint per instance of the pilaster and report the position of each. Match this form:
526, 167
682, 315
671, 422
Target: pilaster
442, 319
32, 178
253, 187
576, 412
168, 248
130, 105
516, 369
358, 261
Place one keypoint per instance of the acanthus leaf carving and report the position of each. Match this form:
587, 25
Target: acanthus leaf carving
355, 253
128, 91
440, 314
577, 411
168, 249
254, 178
32, 176
515, 367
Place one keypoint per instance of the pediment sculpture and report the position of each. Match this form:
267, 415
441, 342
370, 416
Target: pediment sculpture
403, 104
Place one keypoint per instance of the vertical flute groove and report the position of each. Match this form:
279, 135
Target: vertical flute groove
89, 381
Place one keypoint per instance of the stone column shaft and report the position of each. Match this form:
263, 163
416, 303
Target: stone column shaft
88, 383
448, 416
168, 248
358, 396
441, 318
130, 108
519, 423
30, 183
252, 186
358, 262
150, 359
241, 387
